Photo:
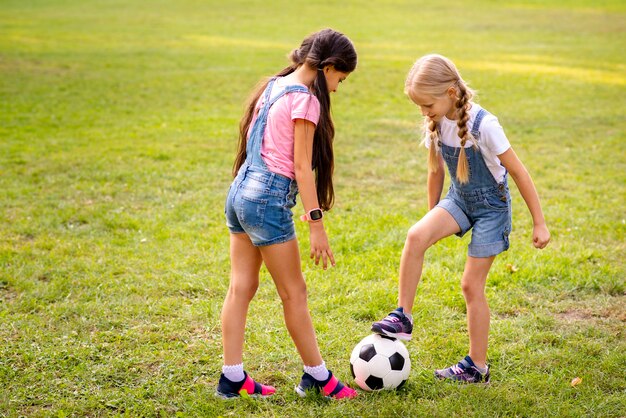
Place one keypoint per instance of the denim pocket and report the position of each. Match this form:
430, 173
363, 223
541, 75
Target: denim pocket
495, 202
252, 211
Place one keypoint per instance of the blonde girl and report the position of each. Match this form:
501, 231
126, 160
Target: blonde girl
472, 145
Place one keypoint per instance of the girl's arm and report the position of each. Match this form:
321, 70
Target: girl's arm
303, 154
541, 235
435, 184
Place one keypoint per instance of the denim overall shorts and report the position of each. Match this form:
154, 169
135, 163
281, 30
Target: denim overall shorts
482, 204
259, 202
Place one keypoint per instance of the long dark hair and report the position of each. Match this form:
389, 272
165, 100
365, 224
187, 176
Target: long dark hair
323, 48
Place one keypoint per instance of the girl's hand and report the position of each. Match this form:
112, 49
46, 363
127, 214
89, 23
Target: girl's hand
541, 236
320, 249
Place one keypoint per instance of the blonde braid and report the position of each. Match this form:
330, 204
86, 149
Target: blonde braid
462, 168
433, 75
433, 161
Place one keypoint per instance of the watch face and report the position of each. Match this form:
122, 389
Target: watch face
315, 215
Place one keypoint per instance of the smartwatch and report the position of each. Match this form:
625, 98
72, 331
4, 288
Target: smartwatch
313, 215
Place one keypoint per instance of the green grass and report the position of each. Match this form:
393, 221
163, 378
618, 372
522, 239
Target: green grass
118, 126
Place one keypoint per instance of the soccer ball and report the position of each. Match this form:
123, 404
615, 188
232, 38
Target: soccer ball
379, 362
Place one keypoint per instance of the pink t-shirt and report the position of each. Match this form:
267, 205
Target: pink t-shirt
278, 142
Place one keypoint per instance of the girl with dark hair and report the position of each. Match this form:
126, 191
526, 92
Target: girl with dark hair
285, 147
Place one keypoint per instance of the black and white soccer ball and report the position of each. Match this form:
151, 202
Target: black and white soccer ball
379, 362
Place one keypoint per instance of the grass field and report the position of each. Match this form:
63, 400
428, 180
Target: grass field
118, 127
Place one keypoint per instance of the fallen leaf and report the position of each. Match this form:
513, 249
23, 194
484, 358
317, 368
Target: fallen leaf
511, 268
576, 381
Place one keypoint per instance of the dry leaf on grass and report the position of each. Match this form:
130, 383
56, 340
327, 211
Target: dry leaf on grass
511, 268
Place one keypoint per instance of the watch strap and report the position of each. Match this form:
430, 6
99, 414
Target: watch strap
307, 216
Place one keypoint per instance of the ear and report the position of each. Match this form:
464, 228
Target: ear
328, 68
451, 92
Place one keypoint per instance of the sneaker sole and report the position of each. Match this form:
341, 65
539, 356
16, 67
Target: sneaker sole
225, 396
230, 397
300, 392
462, 382
400, 336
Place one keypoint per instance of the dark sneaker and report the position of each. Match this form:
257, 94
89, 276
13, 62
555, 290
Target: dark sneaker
395, 325
228, 389
331, 387
464, 371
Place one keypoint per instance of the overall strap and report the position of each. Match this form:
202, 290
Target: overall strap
255, 141
251, 144
268, 90
288, 89
476, 126
480, 175
476, 133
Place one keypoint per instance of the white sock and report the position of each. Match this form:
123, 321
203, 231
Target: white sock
319, 373
233, 373
408, 315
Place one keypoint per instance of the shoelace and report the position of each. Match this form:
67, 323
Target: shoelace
392, 318
456, 369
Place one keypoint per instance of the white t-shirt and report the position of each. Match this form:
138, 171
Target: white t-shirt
492, 141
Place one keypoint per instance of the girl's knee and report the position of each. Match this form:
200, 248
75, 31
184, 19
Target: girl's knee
416, 239
243, 291
295, 293
472, 290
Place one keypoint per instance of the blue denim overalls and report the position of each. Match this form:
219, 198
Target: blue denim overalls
482, 204
259, 202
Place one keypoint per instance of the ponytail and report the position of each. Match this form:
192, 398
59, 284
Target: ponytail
323, 161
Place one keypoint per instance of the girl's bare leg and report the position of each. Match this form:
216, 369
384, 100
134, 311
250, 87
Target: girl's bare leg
435, 225
283, 262
245, 260
473, 285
